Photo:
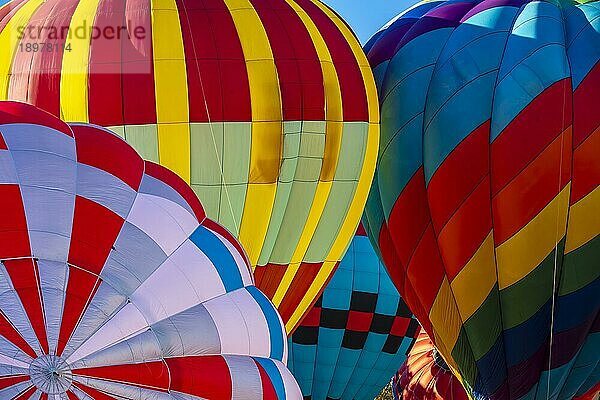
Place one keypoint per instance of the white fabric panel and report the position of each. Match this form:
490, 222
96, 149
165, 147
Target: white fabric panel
122, 390
192, 332
245, 378
140, 348
12, 362
153, 186
37, 137
105, 303
255, 322
134, 258
14, 311
53, 283
105, 189
127, 322
9, 370
14, 390
189, 273
7, 168
292, 390
167, 223
239, 260
230, 324
8, 349
79, 393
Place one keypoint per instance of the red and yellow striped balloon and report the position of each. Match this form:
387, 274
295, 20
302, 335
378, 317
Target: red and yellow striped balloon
267, 108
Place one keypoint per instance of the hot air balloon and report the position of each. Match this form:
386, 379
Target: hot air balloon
485, 205
114, 284
426, 376
357, 334
267, 108
593, 394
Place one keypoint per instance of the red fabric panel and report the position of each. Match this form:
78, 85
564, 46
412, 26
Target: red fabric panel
153, 375
530, 191
426, 270
104, 84
80, 289
518, 144
268, 390
268, 277
400, 326
359, 321
42, 88
395, 268
8, 381
71, 395
466, 230
586, 168
460, 173
14, 237
586, 118
44, 396
95, 394
27, 394
203, 376
2, 143
293, 51
409, 217
360, 231
95, 230
172, 179
24, 276
20, 113
9, 9
109, 153
12, 335
139, 99
313, 318
304, 277
352, 85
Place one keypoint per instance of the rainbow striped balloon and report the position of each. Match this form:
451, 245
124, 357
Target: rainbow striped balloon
486, 201
266, 107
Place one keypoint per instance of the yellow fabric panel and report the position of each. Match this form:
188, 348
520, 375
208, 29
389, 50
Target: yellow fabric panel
444, 316
9, 42
363, 62
320, 199
526, 249
170, 85
445, 353
75, 65
474, 282
584, 221
257, 208
267, 127
311, 294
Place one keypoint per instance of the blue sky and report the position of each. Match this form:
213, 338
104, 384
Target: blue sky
367, 16
364, 16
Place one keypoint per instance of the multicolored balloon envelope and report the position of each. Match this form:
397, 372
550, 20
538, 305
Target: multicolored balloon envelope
358, 333
267, 108
426, 376
486, 197
114, 284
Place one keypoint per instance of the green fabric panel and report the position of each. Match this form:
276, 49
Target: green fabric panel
484, 326
296, 214
289, 201
206, 152
118, 130
581, 267
523, 299
334, 214
308, 169
314, 126
209, 197
236, 158
352, 151
231, 209
312, 145
143, 138
275, 223
463, 356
